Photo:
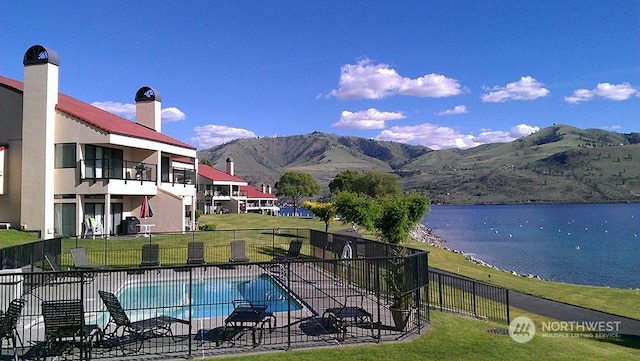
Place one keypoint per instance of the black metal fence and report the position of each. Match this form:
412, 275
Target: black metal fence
461, 295
305, 295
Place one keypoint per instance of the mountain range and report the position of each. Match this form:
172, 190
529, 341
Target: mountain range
558, 164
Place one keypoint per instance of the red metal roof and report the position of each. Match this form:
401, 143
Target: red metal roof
253, 192
214, 174
101, 119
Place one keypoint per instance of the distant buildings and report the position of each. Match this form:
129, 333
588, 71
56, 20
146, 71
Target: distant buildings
223, 192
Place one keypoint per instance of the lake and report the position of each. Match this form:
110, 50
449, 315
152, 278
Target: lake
590, 244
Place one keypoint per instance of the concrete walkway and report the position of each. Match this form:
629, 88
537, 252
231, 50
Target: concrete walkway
565, 312
570, 313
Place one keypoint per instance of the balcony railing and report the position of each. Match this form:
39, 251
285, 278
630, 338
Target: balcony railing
184, 176
99, 169
224, 193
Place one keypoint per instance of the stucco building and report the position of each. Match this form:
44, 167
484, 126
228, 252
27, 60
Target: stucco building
224, 192
63, 161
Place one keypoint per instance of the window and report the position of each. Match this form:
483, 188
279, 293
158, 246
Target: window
103, 162
64, 218
65, 155
164, 172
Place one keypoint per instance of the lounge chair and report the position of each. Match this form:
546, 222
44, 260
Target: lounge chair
65, 328
293, 253
238, 252
195, 253
66, 277
8, 325
150, 255
348, 315
137, 330
81, 260
250, 316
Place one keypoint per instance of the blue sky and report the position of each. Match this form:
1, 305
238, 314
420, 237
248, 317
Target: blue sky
437, 73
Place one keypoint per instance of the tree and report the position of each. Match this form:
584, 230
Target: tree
324, 211
379, 184
344, 181
356, 209
399, 215
206, 162
296, 185
392, 218
372, 183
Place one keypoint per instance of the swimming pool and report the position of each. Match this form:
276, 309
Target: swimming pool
209, 298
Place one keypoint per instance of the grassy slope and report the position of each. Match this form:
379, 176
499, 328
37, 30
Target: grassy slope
12, 237
557, 164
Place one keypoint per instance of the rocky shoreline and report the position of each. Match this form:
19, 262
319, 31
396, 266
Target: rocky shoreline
425, 234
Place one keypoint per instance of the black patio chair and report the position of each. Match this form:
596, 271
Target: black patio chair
293, 253
195, 253
65, 329
137, 331
238, 251
8, 325
347, 315
248, 316
150, 255
66, 277
81, 260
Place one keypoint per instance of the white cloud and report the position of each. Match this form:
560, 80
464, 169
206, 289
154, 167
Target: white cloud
172, 114
365, 80
527, 88
128, 111
607, 91
367, 119
211, 135
439, 137
458, 109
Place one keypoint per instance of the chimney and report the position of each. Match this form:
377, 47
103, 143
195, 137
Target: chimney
40, 97
269, 189
148, 108
230, 170
262, 187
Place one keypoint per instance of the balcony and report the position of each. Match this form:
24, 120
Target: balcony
223, 193
184, 176
126, 170
108, 169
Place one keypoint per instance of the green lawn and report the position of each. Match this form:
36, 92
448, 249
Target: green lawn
12, 237
459, 338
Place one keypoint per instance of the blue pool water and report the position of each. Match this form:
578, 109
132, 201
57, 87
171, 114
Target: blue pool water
209, 298
300, 212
